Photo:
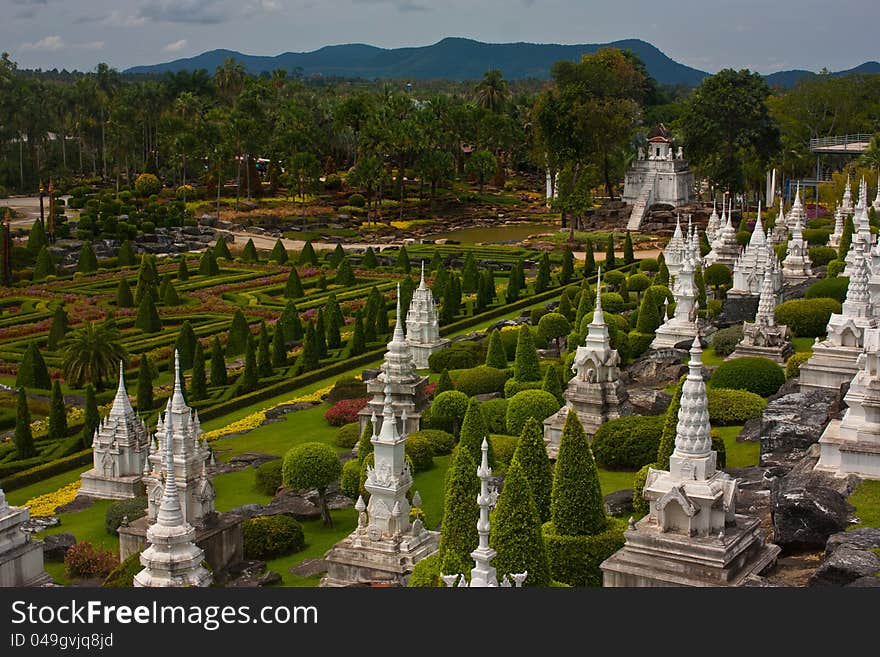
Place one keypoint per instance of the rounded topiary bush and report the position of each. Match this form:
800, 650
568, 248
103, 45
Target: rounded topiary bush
758, 375
835, 267
426, 573
267, 479
829, 288
132, 509
575, 560
350, 480
495, 414
538, 404
503, 446
724, 341
628, 442
512, 387
733, 407
441, 442
419, 449
481, 380
348, 435
794, 362
267, 537
822, 255
459, 356
612, 302
807, 318
357, 200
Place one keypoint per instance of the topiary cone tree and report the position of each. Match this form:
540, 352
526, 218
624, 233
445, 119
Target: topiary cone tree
531, 456
92, 419
458, 536
495, 354
473, 431
23, 439
57, 413
576, 505
312, 465
525, 365
516, 531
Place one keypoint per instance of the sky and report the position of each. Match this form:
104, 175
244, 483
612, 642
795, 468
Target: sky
706, 34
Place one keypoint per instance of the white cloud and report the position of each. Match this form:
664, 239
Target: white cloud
176, 46
46, 43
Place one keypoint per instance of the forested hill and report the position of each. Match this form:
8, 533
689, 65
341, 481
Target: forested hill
451, 58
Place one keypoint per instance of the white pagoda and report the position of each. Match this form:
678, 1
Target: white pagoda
725, 248
21, 559
837, 235
423, 325
692, 535
120, 447
675, 249
595, 392
386, 545
764, 337
755, 259
172, 558
713, 226
797, 267
681, 326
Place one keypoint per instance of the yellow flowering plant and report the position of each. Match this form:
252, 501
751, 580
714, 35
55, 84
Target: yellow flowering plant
45, 505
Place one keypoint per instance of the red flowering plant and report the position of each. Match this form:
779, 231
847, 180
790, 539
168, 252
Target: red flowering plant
345, 411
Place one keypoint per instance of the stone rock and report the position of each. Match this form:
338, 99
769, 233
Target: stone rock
790, 387
293, 504
793, 422
649, 401
335, 500
254, 459
309, 567
279, 412
35, 525
248, 510
251, 574
738, 309
863, 538
79, 503
488, 395
55, 546
666, 365
867, 581
619, 502
845, 565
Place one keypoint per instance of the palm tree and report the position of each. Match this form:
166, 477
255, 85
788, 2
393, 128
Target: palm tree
492, 91
91, 354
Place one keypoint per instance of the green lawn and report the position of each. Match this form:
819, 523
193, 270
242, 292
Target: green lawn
866, 500
88, 526
802, 344
739, 454
236, 488
21, 495
710, 359
432, 487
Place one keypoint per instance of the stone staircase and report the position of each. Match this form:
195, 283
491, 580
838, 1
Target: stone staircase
640, 206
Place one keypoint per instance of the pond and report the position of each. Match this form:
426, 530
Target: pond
494, 234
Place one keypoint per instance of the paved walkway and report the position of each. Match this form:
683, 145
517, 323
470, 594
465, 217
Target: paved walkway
28, 209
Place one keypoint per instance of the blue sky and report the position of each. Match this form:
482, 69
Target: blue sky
706, 34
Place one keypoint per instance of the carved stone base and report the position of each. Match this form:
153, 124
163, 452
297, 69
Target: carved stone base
842, 456
357, 560
95, 484
829, 367
777, 354
422, 352
23, 566
657, 559
220, 539
594, 403
672, 333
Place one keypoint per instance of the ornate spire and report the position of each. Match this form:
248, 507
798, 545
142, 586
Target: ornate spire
170, 514
767, 302
757, 238
483, 574
422, 281
857, 290
598, 315
398, 324
177, 402
121, 403
692, 434
677, 234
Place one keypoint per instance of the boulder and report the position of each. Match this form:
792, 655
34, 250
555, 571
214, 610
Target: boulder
845, 565
248, 510
805, 511
863, 538
662, 366
867, 581
293, 504
619, 502
791, 423
55, 546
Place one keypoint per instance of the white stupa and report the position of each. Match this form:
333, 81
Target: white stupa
423, 325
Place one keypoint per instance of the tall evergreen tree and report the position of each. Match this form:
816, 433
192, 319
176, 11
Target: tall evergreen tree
576, 507
293, 289
345, 274
182, 269
60, 326
531, 456
126, 257
585, 303
473, 431
221, 249
436, 261
186, 345
649, 315
290, 323
249, 253
567, 272
147, 280
407, 288
628, 255
308, 256
144, 397
239, 332
333, 337
23, 438
92, 418
279, 253
662, 277
321, 334
495, 354
516, 531
264, 359
552, 383
846, 239
208, 264
700, 285
147, 319
358, 339
88, 261
218, 364
565, 308
542, 282
469, 273
458, 536
57, 413
513, 287
525, 364
198, 383
444, 383
370, 260
609, 253
124, 298
33, 373
279, 347
337, 256
37, 238
589, 259
249, 376
45, 265
403, 263
310, 357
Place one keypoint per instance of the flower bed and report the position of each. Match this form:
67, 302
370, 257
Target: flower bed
45, 505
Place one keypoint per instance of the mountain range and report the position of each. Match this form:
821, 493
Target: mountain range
456, 58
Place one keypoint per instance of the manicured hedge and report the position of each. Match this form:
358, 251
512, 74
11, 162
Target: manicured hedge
512, 387
481, 380
822, 255
122, 577
733, 407
829, 288
793, 365
441, 442
495, 414
426, 573
458, 356
267, 537
348, 435
132, 509
724, 341
575, 560
758, 375
267, 478
503, 446
529, 403
628, 442
46, 470
420, 450
806, 318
